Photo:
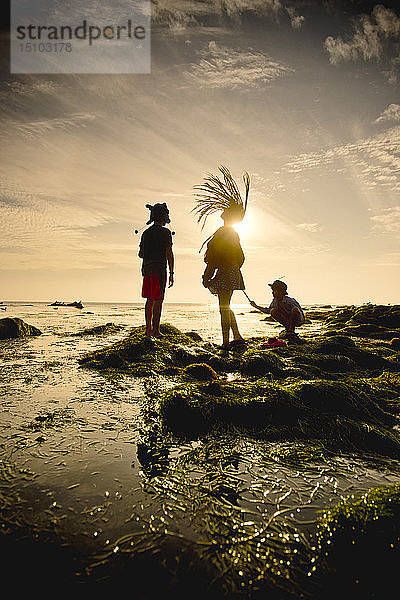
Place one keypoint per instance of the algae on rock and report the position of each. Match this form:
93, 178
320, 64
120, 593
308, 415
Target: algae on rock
13, 327
358, 542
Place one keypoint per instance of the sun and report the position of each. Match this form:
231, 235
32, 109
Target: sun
246, 227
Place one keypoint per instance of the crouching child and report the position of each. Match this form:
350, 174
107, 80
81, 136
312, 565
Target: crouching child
283, 309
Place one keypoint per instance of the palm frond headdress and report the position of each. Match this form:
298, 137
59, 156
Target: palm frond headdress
223, 194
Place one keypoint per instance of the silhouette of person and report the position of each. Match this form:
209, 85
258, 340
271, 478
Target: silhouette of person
224, 256
156, 251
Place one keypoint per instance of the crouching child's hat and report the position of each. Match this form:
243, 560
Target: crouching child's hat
278, 285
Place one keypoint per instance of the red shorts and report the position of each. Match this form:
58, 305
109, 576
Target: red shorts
154, 286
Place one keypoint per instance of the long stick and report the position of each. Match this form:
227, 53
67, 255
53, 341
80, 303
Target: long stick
246, 295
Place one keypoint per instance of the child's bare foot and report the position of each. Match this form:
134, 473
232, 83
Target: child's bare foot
237, 342
157, 334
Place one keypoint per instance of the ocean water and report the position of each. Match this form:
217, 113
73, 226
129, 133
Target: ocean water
203, 318
83, 467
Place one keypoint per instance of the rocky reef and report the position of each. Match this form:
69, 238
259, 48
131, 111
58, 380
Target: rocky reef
329, 389
370, 320
100, 330
13, 327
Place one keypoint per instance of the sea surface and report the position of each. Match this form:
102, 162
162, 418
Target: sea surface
71, 440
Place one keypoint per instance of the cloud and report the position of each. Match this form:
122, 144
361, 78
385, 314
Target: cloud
290, 251
310, 227
28, 87
374, 37
388, 221
180, 15
388, 259
222, 67
52, 232
375, 161
40, 127
391, 113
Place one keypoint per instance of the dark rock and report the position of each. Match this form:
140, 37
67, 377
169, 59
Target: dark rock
200, 371
335, 363
358, 540
101, 329
369, 330
224, 363
75, 304
194, 336
187, 355
333, 345
260, 363
374, 314
13, 327
340, 398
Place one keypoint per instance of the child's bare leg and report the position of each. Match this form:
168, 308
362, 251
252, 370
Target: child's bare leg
281, 317
224, 309
157, 308
294, 317
288, 320
234, 326
148, 312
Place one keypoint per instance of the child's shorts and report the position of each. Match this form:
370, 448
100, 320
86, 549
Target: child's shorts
154, 286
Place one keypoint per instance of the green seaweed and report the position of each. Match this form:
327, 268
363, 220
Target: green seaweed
340, 415
100, 330
259, 362
387, 316
358, 543
200, 371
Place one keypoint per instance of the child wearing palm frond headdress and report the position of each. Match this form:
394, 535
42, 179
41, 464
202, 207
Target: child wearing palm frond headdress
224, 255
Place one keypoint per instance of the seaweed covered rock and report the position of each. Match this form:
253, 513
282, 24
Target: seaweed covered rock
342, 398
336, 348
183, 354
196, 409
335, 363
375, 332
138, 350
358, 541
338, 415
338, 344
13, 327
259, 363
194, 336
381, 316
395, 343
200, 371
100, 329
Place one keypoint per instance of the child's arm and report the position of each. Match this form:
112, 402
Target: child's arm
170, 260
208, 273
261, 308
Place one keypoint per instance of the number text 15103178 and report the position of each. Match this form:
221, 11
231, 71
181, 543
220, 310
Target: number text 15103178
46, 47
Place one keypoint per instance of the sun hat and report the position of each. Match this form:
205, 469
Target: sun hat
278, 285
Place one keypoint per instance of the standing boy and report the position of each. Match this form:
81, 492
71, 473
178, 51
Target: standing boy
156, 251
283, 308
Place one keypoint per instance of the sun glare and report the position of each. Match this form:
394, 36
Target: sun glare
246, 227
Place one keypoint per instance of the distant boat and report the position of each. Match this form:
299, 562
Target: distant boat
74, 304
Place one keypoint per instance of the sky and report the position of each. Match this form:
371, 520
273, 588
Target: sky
303, 95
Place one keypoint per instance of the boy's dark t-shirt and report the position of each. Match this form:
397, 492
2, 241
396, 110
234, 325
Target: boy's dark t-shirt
152, 249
